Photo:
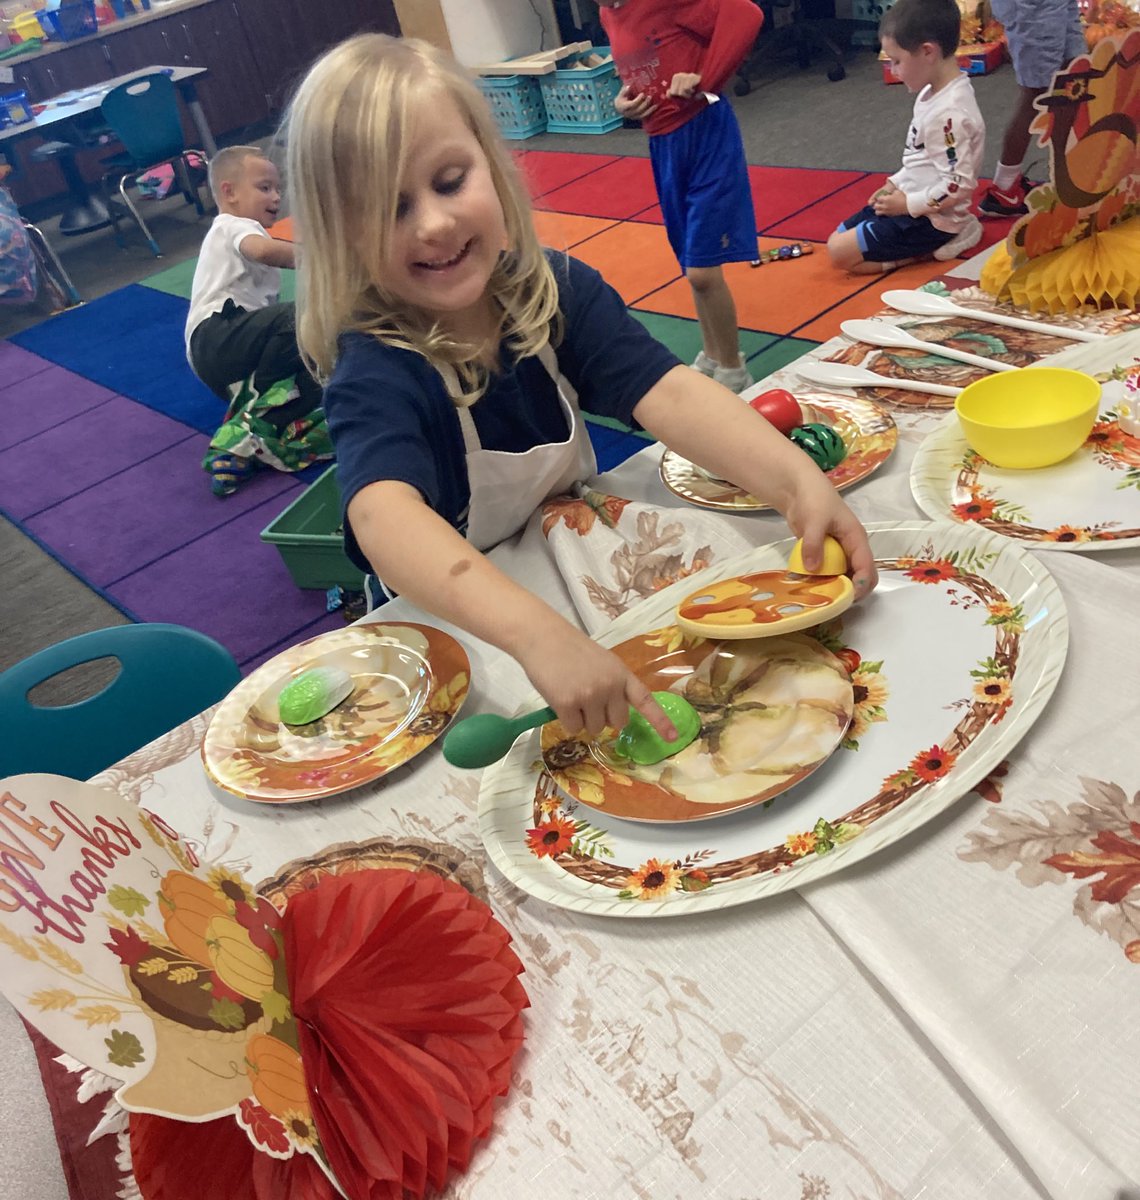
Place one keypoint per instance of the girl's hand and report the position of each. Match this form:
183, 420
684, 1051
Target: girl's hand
890, 204
633, 106
817, 511
588, 686
684, 84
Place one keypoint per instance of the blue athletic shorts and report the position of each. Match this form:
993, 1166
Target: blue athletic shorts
702, 182
889, 239
1042, 36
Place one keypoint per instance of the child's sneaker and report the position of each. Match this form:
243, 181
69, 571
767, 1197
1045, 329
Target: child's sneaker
999, 203
704, 364
736, 379
967, 239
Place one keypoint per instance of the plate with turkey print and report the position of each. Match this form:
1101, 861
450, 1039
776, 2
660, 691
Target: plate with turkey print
409, 682
951, 660
868, 433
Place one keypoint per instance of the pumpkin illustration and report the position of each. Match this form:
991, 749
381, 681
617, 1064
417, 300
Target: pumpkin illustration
276, 1075
238, 963
188, 906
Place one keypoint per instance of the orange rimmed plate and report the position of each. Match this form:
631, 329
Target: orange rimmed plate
772, 710
410, 680
868, 432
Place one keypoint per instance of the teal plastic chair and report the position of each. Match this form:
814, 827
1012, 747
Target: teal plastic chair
143, 114
167, 674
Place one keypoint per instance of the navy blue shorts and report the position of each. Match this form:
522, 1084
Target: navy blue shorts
889, 239
702, 182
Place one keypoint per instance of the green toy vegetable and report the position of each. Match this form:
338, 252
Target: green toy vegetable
641, 743
312, 694
821, 443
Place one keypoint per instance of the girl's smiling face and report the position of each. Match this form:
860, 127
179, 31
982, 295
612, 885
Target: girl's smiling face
449, 229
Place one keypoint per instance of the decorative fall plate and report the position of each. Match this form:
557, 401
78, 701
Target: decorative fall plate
771, 711
868, 432
1091, 501
952, 660
410, 681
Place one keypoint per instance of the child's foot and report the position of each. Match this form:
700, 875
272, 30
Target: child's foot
736, 379
969, 236
999, 203
704, 364
228, 472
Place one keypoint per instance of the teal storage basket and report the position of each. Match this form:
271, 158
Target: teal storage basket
581, 100
516, 104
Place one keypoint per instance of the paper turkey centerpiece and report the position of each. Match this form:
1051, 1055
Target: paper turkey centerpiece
351, 1044
1079, 244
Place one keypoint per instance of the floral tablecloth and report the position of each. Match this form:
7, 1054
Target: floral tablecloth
955, 1017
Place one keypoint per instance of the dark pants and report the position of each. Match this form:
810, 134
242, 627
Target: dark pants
236, 344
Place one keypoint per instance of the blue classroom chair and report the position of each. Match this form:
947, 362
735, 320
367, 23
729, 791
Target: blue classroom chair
167, 674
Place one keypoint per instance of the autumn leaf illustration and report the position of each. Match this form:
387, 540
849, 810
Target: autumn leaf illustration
228, 1014
124, 1049
1119, 863
129, 902
275, 1005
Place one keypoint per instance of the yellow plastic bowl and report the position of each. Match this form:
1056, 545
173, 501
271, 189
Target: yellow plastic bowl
1029, 418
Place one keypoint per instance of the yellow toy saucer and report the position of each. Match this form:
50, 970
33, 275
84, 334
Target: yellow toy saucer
765, 604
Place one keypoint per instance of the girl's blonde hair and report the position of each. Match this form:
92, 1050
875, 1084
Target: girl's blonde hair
348, 133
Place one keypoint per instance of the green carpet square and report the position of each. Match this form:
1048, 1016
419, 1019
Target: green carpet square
683, 336
174, 281
773, 357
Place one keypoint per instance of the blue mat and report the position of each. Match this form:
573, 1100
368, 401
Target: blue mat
131, 342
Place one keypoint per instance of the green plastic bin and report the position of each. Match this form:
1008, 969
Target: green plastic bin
309, 537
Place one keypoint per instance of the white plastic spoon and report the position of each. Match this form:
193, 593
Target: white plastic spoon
879, 333
928, 304
842, 375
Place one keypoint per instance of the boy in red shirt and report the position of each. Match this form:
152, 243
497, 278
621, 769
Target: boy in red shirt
673, 57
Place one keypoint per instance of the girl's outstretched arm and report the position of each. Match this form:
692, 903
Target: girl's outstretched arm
418, 554
706, 423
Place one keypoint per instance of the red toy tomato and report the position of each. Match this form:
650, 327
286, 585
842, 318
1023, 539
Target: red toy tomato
780, 408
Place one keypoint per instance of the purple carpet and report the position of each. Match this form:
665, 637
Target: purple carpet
115, 491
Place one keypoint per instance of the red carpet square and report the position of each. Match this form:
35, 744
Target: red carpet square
819, 221
545, 170
620, 189
778, 192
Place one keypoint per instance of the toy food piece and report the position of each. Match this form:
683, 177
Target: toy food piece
312, 694
780, 408
834, 560
764, 604
821, 443
641, 743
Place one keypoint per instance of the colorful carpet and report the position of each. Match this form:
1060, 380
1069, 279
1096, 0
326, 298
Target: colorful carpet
104, 425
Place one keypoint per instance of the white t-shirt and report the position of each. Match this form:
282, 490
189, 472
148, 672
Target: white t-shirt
223, 273
943, 155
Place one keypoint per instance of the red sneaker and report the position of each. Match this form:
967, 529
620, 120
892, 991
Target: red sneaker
999, 203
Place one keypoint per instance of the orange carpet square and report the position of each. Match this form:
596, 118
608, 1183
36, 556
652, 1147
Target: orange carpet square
777, 297
635, 259
561, 231
866, 302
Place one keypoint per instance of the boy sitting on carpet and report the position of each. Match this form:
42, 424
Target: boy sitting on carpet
240, 340
923, 210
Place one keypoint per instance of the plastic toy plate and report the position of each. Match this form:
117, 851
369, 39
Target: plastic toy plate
410, 680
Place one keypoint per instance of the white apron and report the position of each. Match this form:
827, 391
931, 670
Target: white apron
507, 487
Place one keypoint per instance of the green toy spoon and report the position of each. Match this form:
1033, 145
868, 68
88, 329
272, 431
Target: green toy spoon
483, 739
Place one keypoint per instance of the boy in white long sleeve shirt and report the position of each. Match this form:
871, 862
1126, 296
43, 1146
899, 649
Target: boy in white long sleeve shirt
923, 210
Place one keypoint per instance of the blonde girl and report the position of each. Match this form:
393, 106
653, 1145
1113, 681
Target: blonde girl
458, 357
